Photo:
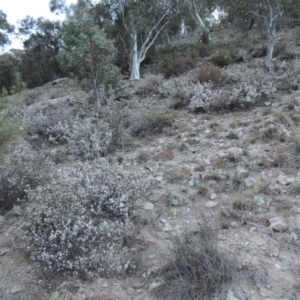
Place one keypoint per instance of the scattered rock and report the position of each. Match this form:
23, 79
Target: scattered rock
156, 283
284, 180
195, 180
15, 211
148, 206
213, 196
3, 251
210, 204
235, 152
15, 289
278, 224
130, 291
151, 166
176, 199
258, 200
250, 181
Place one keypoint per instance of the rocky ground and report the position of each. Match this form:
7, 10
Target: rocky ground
234, 171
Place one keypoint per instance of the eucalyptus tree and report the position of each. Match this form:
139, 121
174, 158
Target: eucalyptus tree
198, 8
41, 46
88, 53
5, 29
268, 11
141, 22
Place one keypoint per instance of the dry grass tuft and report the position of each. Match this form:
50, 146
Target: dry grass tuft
197, 269
178, 174
164, 155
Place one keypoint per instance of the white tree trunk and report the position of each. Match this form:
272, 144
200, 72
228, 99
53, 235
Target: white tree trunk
94, 76
270, 22
135, 59
269, 57
206, 32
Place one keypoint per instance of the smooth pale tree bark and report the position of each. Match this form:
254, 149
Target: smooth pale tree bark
270, 11
143, 23
206, 32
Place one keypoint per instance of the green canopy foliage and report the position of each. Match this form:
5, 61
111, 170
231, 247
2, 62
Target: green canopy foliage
88, 53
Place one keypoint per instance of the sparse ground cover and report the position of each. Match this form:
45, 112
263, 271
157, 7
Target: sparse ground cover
179, 188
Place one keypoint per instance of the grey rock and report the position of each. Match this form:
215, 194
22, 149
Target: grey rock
250, 181
235, 152
148, 206
210, 204
3, 251
151, 166
156, 283
241, 172
255, 153
213, 196
278, 224
130, 291
15, 211
281, 179
176, 199
15, 289
258, 200
195, 180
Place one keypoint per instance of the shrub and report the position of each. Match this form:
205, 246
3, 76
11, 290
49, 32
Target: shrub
31, 96
222, 58
204, 50
149, 85
279, 48
175, 64
22, 169
202, 98
150, 123
87, 137
210, 73
290, 72
178, 90
82, 219
197, 270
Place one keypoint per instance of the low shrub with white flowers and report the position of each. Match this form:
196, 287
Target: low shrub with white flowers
81, 218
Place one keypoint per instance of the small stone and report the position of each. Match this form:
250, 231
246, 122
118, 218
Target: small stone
148, 206
250, 181
15, 211
258, 200
3, 251
155, 284
278, 224
241, 172
235, 151
130, 291
281, 179
213, 196
210, 204
167, 228
151, 166
15, 289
